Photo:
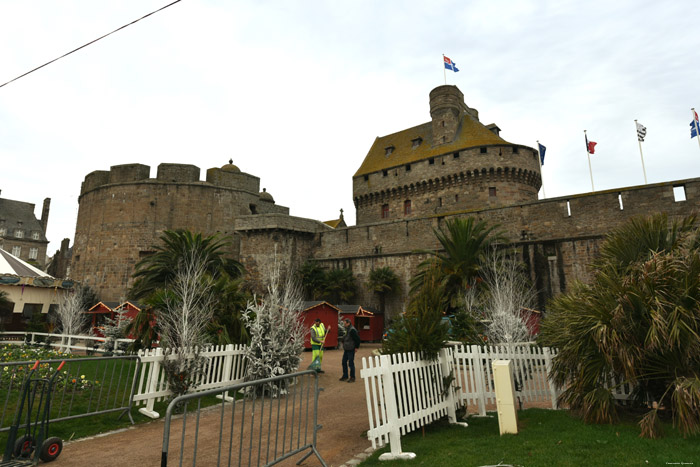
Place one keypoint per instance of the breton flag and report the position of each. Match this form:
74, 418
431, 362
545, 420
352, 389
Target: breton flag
450, 65
694, 125
641, 131
590, 146
542, 149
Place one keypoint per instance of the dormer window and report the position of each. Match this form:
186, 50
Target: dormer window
416, 142
19, 233
35, 235
388, 150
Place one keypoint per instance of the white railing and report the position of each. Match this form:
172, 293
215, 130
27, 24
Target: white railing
403, 393
531, 368
61, 342
224, 366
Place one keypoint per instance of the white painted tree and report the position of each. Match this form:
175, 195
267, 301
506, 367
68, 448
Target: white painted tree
115, 328
276, 329
510, 298
185, 309
70, 316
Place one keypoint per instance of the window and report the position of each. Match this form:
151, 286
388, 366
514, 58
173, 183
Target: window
388, 150
456, 198
35, 235
366, 178
482, 150
679, 193
407, 207
431, 161
515, 149
439, 202
3, 231
17, 250
385, 211
416, 142
455, 155
385, 173
33, 253
492, 191
408, 167
19, 233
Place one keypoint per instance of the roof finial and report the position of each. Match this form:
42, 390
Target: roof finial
230, 161
341, 213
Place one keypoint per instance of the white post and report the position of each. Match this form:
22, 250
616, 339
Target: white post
479, 381
505, 396
392, 413
444, 73
552, 387
152, 385
226, 375
636, 125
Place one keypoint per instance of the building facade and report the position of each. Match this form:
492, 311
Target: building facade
21, 233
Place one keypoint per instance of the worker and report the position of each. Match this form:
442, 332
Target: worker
318, 337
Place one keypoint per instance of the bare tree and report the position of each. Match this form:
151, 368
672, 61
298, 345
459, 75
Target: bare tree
70, 314
510, 298
276, 329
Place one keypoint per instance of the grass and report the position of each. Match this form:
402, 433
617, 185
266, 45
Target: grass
545, 438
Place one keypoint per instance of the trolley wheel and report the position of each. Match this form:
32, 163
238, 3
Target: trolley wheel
24, 446
50, 449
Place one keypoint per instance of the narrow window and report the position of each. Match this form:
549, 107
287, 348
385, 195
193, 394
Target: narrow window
619, 198
366, 178
439, 202
407, 207
33, 253
515, 149
17, 250
385, 211
456, 198
455, 155
442, 123
253, 209
492, 191
679, 193
443, 139
385, 173
431, 161
408, 167
482, 150
568, 208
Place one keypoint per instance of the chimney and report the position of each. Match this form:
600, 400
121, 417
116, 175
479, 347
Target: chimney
45, 214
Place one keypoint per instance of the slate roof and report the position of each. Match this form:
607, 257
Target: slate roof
12, 212
471, 133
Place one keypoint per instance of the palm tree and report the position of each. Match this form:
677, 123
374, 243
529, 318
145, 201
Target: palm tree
383, 282
453, 267
312, 279
340, 286
638, 322
156, 270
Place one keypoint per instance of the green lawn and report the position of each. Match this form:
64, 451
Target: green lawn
545, 438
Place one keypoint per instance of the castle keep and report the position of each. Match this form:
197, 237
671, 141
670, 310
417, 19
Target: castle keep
409, 183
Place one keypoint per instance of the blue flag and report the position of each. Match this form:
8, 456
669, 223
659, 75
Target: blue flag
693, 129
542, 151
450, 65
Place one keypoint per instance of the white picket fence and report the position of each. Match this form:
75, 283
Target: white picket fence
224, 366
60, 342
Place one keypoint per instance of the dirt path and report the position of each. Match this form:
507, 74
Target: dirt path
342, 413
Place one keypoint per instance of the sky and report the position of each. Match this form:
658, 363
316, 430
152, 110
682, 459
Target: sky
296, 91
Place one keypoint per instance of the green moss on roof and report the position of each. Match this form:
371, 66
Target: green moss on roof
471, 133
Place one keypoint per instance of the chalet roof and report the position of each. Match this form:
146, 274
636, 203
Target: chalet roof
18, 214
471, 133
340, 222
313, 304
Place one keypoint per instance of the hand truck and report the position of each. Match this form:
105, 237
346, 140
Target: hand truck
19, 448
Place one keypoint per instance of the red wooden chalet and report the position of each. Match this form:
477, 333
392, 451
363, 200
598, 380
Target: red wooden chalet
103, 310
329, 317
368, 322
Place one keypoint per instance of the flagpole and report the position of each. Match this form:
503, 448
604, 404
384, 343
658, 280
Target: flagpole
697, 129
444, 73
640, 151
539, 159
588, 153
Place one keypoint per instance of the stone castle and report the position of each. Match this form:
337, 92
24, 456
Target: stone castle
409, 183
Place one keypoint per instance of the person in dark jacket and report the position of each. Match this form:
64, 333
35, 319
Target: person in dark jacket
351, 342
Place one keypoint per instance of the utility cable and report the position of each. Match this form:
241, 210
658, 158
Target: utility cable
91, 42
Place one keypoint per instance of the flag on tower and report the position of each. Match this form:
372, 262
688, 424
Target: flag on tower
590, 146
542, 149
694, 125
641, 131
449, 64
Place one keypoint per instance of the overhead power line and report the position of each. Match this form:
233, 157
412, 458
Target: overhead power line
91, 42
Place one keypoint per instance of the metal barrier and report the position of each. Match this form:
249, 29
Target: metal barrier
85, 387
269, 420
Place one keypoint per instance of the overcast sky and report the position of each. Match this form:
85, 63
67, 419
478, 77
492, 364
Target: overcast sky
295, 92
